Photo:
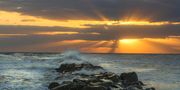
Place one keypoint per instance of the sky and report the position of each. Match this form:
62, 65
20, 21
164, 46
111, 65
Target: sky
90, 26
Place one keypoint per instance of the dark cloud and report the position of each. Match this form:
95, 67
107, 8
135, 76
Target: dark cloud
157, 10
110, 34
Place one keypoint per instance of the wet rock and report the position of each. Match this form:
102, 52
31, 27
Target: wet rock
95, 88
100, 81
94, 79
62, 87
79, 83
132, 88
71, 86
129, 78
53, 85
150, 88
114, 77
107, 84
76, 84
75, 67
140, 83
67, 82
109, 76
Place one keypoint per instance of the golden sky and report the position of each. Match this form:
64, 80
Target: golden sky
15, 18
82, 35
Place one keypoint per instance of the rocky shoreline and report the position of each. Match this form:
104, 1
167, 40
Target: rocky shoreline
98, 81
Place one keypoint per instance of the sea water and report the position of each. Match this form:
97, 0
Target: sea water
32, 71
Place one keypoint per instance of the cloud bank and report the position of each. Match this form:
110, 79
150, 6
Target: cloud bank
155, 10
25, 35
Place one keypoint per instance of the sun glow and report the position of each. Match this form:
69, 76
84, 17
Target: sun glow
146, 45
128, 41
141, 23
131, 46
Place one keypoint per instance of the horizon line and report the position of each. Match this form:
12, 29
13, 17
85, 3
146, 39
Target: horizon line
96, 53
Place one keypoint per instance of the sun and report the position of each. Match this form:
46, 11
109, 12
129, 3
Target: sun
128, 41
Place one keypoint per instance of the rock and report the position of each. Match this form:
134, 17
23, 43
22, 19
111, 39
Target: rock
66, 68
109, 76
53, 85
107, 83
101, 81
67, 85
75, 67
114, 77
129, 78
140, 83
150, 88
62, 87
72, 86
79, 83
67, 82
132, 88
90, 79
94, 88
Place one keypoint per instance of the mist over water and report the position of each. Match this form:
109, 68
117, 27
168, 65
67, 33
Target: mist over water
22, 71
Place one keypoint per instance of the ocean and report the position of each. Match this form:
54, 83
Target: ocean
34, 71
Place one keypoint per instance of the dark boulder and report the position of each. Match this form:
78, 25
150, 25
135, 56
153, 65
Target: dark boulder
150, 88
132, 88
53, 85
95, 88
129, 78
72, 86
79, 83
67, 82
75, 67
66, 68
109, 76
114, 78
62, 87
68, 85
107, 84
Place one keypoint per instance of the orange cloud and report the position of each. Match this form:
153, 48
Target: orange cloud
55, 33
